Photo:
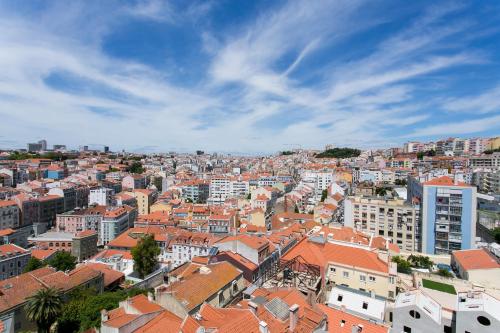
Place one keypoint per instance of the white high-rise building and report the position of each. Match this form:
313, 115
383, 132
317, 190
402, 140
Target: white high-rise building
101, 196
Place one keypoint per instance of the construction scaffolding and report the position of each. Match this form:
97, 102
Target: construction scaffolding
296, 273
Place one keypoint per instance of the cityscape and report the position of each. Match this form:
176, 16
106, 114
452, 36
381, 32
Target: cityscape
249, 166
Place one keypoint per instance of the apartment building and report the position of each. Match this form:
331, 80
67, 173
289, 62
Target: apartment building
13, 259
350, 265
485, 161
448, 214
114, 222
392, 219
187, 245
220, 190
82, 245
467, 312
9, 215
133, 182
145, 199
101, 196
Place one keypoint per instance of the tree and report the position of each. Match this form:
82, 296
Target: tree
33, 263
496, 234
136, 167
324, 194
381, 191
403, 265
158, 183
145, 255
82, 312
420, 261
44, 307
296, 210
444, 272
339, 153
63, 261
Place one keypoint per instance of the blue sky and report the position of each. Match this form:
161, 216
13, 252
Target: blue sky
247, 76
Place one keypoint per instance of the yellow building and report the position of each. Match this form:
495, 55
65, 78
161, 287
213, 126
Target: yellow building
494, 143
145, 199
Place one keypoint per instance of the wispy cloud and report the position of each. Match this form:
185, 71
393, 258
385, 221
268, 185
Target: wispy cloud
281, 77
486, 102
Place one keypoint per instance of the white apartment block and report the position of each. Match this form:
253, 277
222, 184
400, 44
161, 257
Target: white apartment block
114, 222
392, 219
101, 196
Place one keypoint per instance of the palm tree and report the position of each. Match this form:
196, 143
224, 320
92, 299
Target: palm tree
44, 307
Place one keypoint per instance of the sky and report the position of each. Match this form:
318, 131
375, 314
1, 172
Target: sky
247, 76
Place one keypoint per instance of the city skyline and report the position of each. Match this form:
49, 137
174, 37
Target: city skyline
152, 76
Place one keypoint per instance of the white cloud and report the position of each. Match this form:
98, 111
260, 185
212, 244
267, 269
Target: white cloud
254, 77
487, 102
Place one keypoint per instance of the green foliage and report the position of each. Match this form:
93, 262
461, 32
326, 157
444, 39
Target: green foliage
401, 182
444, 272
157, 182
82, 312
136, 167
249, 196
188, 200
33, 263
381, 191
145, 255
324, 194
63, 261
22, 156
491, 151
421, 154
496, 234
404, 266
339, 153
420, 261
44, 307
296, 210
434, 285
52, 155
55, 156
287, 152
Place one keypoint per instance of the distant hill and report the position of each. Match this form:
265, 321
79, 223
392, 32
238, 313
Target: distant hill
339, 153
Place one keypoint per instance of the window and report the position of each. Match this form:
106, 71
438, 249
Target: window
365, 305
332, 270
342, 323
346, 274
483, 321
406, 329
339, 298
414, 314
447, 329
362, 278
372, 278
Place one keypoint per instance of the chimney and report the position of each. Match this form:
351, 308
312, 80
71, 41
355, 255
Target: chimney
263, 327
294, 317
104, 316
151, 296
357, 328
311, 299
253, 307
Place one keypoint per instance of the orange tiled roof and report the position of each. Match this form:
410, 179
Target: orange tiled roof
322, 254
110, 275
445, 181
7, 203
196, 288
166, 322
42, 254
475, 259
5, 249
343, 322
